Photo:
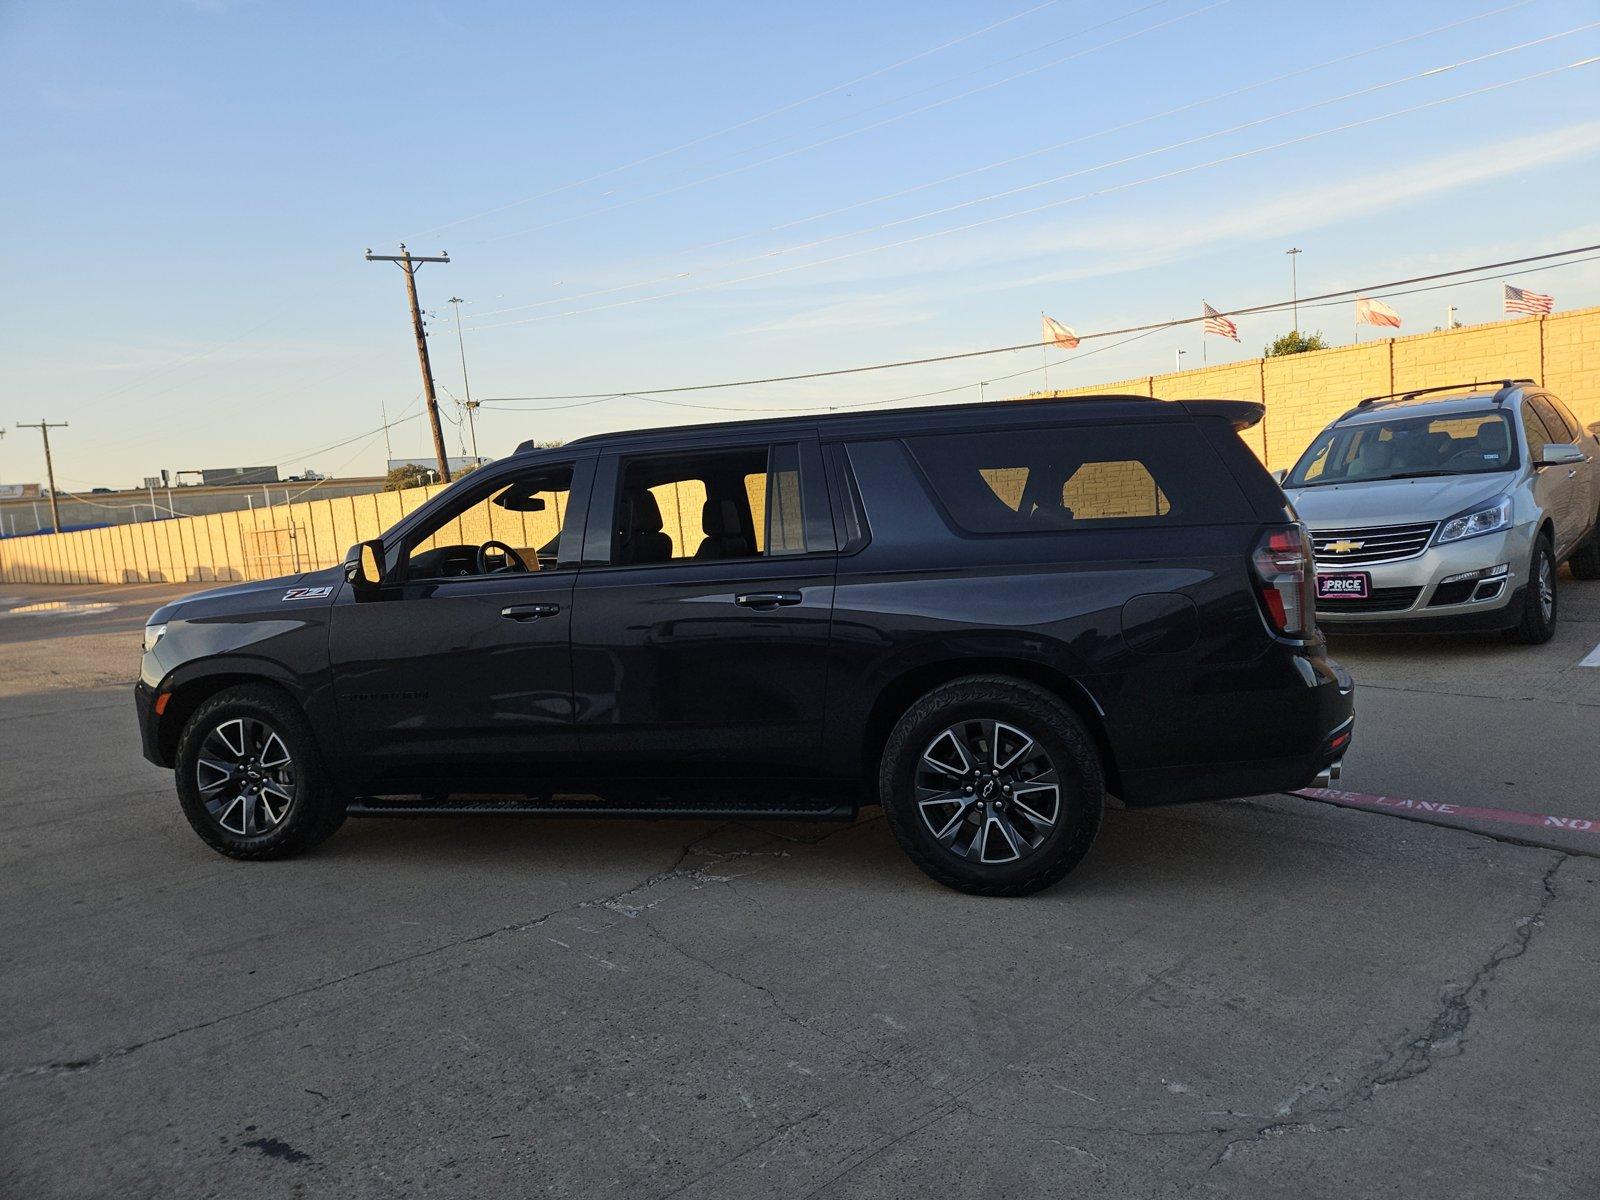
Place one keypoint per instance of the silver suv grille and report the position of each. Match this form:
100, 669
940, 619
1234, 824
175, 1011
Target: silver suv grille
1375, 544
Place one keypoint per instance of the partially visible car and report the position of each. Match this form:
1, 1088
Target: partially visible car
1450, 508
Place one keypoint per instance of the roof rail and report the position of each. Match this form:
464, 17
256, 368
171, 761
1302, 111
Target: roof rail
1504, 385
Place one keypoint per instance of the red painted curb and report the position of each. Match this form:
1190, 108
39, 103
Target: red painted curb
1432, 808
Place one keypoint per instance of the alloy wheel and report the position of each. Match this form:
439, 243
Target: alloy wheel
987, 791
1547, 587
246, 776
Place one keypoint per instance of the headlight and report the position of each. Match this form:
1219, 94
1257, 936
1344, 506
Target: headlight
152, 635
1491, 518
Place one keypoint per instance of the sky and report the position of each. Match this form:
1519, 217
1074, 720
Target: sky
641, 196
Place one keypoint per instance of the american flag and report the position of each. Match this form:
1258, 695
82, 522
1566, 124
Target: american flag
1520, 300
1218, 324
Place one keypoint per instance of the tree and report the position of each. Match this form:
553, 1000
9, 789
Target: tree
408, 476
1295, 342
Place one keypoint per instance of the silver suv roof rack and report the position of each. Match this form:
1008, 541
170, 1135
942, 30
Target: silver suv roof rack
1504, 387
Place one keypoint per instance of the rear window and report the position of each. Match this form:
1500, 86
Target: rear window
1082, 477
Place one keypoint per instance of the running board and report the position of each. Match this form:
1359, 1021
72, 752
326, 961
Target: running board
560, 806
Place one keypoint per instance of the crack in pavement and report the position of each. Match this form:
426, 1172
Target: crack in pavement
1445, 1036
74, 1066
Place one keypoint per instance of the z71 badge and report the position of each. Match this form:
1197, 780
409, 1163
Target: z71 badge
315, 593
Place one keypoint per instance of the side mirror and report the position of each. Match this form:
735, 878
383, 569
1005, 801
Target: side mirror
1280, 475
363, 568
1559, 454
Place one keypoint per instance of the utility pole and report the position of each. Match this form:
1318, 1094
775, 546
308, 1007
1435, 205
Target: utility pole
44, 427
409, 263
466, 386
1294, 283
388, 450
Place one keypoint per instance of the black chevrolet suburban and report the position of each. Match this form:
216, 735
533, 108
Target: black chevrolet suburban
984, 617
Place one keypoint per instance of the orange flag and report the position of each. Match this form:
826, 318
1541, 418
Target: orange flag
1061, 335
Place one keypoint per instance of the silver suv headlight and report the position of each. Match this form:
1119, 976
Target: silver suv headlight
1489, 518
152, 635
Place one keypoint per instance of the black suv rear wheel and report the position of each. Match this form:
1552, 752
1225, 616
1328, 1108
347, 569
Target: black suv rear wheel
250, 779
992, 786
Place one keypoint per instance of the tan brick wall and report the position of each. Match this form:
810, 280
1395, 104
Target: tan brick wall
1303, 392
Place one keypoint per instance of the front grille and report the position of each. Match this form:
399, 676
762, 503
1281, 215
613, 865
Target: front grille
1375, 544
1392, 599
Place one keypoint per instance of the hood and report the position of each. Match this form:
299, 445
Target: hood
320, 587
1395, 501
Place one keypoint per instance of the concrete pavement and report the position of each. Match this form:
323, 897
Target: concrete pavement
1246, 999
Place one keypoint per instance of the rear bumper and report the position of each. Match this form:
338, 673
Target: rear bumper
1332, 711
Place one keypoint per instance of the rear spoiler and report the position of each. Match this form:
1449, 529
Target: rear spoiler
1241, 414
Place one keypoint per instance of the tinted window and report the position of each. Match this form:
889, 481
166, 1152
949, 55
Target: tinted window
1566, 415
1083, 477
1538, 435
1406, 448
709, 505
1559, 431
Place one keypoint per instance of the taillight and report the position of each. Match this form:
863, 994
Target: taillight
1282, 563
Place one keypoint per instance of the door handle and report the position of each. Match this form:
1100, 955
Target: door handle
529, 612
766, 599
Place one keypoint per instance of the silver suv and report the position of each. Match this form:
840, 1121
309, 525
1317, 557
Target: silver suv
1450, 508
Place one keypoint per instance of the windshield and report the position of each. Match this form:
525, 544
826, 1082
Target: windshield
1408, 448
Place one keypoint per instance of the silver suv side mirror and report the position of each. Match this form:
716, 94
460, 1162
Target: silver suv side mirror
1559, 454
1280, 475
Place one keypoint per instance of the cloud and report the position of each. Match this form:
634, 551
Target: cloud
882, 310
1153, 242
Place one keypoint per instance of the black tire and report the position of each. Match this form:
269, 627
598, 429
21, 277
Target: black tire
1585, 561
234, 813
1028, 711
1538, 623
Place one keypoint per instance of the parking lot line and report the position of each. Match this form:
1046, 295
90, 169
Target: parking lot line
1592, 659
1431, 808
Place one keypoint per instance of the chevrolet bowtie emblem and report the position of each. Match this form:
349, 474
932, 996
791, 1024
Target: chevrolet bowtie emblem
1343, 547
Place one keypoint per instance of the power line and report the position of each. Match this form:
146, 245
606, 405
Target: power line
600, 397
781, 109
1162, 176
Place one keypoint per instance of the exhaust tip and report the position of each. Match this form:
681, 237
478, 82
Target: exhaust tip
1329, 774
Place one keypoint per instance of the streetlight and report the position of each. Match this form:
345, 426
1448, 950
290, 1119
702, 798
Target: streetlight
466, 385
1294, 284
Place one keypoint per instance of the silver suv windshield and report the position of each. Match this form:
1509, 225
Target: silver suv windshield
1462, 443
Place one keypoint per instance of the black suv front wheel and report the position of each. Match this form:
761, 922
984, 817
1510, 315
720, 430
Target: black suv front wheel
992, 786
250, 779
